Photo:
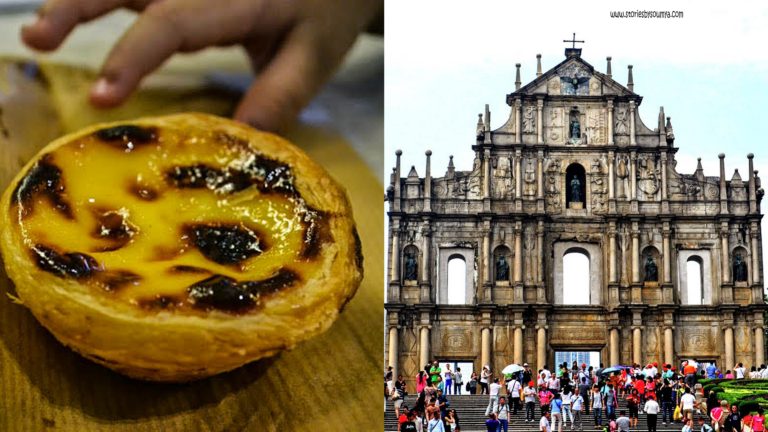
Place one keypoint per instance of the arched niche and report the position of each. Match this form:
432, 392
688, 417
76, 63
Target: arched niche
410, 265
575, 186
650, 271
449, 258
502, 260
740, 270
593, 253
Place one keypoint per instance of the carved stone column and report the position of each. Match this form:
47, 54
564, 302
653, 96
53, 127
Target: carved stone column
486, 179
666, 232
393, 354
539, 120
423, 346
611, 176
637, 345
540, 252
759, 345
487, 263
612, 274
426, 268
754, 235
664, 196
728, 339
428, 184
518, 274
518, 348
723, 191
518, 126
725, 253
633, 175
395, 252
540, 175
541, 346
485, 351
669, 346
518, 176
632, 140
635, 253
610, 123
614, 342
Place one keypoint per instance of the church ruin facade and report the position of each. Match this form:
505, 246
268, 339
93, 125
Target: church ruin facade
675, 260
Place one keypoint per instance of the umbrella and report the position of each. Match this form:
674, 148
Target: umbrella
612, 369
512, 369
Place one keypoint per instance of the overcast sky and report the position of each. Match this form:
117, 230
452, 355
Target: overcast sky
444, 61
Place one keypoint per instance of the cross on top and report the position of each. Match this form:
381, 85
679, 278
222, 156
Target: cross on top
573, 41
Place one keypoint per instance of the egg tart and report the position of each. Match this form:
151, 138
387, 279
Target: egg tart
174, 248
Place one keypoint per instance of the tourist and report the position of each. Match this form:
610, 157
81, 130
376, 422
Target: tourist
492, 424
472, 384
502, 414
458, 381
638, 389
436, 424
455, 416
442, 403
409, 425
493, 400
421, 381
542, 380
513, 390
596, 401
687, 404
712, 402
623, 422
703, 427
546, 372
728, 374
753, 373
611, 401
651, 408
440, 384
633, 405
544, 422
556, 408
689, 371
527, 373
711, 369
584, 388
450, 422
567, 398
763, 371
484, 375
667, 402
718, 415
577, 406
687, 425
758, 421
530, 401
434, 373
398, 394
733, 421
448, 379
545, 397
740, 371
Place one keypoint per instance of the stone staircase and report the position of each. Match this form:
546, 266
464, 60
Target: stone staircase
471, 411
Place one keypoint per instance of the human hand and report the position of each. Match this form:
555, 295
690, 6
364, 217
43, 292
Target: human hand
294, 44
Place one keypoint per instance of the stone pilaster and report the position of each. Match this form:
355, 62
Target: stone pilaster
632, 111
540, 120
518, 123
424, 345
393, 349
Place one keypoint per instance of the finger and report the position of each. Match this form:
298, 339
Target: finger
287, 83
162, 29
57, 18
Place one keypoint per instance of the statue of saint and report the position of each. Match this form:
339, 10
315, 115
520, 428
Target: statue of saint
739, 269
575, 128
651, 271
410, 266
575, 189
502, 269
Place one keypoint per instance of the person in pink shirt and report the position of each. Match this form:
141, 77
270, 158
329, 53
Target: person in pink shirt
758, 421
421, 381
545, 397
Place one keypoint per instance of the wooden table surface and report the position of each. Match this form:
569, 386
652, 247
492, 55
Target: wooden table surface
332, 382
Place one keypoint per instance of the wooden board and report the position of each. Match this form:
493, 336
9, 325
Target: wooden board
332, 382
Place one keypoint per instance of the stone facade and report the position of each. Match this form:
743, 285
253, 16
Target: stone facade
574, 169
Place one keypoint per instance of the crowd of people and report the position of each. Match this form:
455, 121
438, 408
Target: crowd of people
573, 395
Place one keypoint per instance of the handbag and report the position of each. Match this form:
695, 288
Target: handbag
676, 415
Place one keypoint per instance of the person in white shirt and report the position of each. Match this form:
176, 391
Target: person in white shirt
493, 401
763, 372
553, 384
502, 414
687, 402
739, 371
577, 406
652, 409
530, 401
546, 372
567, 398
544, 423
513, 390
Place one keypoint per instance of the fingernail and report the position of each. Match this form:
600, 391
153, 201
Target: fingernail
101, 88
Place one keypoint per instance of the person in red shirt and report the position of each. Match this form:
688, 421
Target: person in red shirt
690, 374
633, 404
639, 385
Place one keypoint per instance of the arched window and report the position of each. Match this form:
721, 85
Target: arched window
457, 280
695, 279
576, 289
575, 186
